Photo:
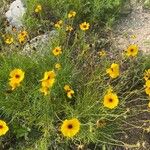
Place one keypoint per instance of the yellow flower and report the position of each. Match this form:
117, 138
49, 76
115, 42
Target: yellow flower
69, 91
49, 79
44, 90
147, 75
71, 14
3, 128
57, 51
132, 50
22, 36
38, 8
9, 40
147, 84
58, 66
133, 36
17, 75
113, 71
102, 53
84, 26
70, 128
58, 24
149, 104
147, 90
111, 100
69, 28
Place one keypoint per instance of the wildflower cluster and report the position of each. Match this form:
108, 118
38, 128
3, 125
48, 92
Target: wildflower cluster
84, 95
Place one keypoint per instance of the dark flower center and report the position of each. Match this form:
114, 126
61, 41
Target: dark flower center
131, 50
17, 76
84, 26
70, 126
1, 127
48, 77
110, 100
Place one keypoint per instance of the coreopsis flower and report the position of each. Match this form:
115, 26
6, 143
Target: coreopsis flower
3, 128
17, 75
84, 26
49, 79
102, 53
58, 66
147, 75
71, 14
69, 91
111, 100
22, 37
70, 128
69, 28
149, 104
47, 82
58, 24
133, 36
113, 71
147, 87
57, 51
38, 8
9, 40
132, 50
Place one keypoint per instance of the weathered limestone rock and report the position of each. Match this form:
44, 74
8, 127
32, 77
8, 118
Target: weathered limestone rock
15, 13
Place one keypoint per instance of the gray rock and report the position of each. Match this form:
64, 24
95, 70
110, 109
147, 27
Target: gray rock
15, 13
38, 45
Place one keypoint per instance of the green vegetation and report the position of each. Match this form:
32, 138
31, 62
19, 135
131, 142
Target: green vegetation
35, 119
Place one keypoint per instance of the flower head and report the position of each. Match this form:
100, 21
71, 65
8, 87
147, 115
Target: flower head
132, 50
149, 105
58, 66
47, 82
17, 75
69, 28
71, 14
49, 79
147, 87
9, 40
102, 53
113, 71
57, 51
70, 128
69, 91
3, 128
147, 75
84, 26
111, 100
38, 8
22, 36
58, 24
